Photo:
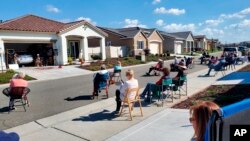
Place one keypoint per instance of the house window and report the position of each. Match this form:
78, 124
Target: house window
108, 43
140, 44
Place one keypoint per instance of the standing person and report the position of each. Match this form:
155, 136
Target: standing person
147, 90
199, 117
129, 84
15, 58
18, 82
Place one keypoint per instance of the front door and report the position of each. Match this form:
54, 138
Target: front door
73, 49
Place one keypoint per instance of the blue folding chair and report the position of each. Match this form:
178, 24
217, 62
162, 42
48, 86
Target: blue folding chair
218, 127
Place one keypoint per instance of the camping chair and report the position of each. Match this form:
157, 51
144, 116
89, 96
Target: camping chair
218, 127
221, 69
101, 82
116, 76
167, 84
17, 94
127, 101
180, 86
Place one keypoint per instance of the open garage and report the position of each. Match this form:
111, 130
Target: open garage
27, 53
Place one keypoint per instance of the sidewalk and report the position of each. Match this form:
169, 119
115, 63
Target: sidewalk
96, 121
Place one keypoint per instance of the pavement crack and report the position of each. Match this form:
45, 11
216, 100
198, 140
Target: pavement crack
40, 124
70, 133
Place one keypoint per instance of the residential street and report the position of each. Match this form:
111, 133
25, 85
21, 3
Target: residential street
55, 96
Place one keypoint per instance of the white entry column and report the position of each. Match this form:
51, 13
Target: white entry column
103, 48
2, 59
85, 49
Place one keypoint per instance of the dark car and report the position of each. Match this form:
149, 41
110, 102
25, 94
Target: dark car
242, 48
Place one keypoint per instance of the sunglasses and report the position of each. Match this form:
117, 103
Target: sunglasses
191, 120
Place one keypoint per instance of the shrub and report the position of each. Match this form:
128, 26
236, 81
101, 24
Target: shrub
96, 57
70, 60
146, 51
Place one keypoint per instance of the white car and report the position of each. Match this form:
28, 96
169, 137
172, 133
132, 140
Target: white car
24, 58
232, 50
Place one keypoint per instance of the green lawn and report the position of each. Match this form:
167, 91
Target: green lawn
5, 77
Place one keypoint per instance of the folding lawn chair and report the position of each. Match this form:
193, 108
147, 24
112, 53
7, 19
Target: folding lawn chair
131, 102
17, 94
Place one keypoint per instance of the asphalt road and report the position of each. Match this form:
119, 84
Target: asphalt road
48, 98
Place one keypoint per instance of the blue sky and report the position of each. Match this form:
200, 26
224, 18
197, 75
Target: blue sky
228, 20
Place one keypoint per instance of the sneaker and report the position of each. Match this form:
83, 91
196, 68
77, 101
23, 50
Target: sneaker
116, 112
12, 108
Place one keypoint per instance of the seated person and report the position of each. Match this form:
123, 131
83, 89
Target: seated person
205, 55
173, 66
9, 136
147, 90
120, 93
219, 65
199, 117
189, 61
17, 82
117, 69
158, 66
181, 73
100, 80
212, 60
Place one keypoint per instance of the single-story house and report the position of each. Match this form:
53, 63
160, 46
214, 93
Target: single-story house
171, 43
212, 44
188, 44
37, 35
136, 39
200, 43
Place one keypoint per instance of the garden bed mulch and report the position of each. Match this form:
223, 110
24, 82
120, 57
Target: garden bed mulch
127, 61
221, 95
245, 69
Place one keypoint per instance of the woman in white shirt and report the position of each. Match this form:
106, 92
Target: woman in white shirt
129, 84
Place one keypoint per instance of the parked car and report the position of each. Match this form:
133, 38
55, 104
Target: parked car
229, 50
24, 58
243, 48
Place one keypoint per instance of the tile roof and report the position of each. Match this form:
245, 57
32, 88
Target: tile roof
129, 32
181, 34
200, 36
163, 33
39, 24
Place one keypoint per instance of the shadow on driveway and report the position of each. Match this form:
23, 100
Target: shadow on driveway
99, 116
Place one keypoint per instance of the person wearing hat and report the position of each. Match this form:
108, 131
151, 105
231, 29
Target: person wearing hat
148, 89
158, 66
181, 69
18, 82
100, 79
9, 136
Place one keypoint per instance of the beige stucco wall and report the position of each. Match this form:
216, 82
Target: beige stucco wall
138, 37
155, 37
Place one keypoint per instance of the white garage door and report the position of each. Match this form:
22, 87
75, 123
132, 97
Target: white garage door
177, 48
154, 48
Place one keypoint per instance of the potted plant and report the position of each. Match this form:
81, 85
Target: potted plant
70, 60
81, 60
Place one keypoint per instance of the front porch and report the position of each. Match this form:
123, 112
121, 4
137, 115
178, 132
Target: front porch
85, 48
